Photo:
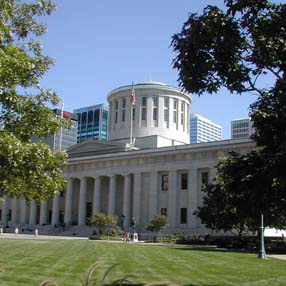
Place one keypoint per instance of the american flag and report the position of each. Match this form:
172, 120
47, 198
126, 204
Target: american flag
133, 96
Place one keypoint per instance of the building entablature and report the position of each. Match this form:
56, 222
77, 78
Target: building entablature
167, 158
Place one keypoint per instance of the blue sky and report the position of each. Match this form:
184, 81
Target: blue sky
99, 45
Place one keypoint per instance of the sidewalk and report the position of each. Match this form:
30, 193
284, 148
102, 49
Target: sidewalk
277, 256
32, 236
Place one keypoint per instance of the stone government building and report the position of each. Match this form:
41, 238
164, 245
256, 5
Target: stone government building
158, 172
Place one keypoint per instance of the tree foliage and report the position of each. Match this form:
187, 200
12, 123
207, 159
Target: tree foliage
27, 169
237, 49
231, 49
102, 221
158, 223
243, 189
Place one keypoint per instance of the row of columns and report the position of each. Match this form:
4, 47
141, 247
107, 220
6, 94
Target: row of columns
96, 199
131, 207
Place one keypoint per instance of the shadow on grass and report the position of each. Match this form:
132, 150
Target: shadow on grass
161, 284
212, 249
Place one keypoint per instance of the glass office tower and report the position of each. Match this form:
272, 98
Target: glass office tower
92, 123
241, 128
204, 130
66, 137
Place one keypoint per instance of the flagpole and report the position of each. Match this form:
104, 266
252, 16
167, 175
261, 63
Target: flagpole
131, 113
61, 130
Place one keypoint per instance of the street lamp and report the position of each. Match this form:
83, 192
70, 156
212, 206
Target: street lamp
261, 253
122, 221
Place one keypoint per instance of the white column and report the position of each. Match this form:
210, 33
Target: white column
82, 202
111, 198
170, 117
127, 200
68, 203
137, 198
172, 198
33, 212
110, 115
180, 127
44, 212
55, 210
186, 119
153, 195
23, 211
4, 210
96, 196
149, 112
193, 200
160, 111
14, 210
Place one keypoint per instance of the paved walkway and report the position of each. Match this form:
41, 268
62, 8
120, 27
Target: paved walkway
277, 256
32, 236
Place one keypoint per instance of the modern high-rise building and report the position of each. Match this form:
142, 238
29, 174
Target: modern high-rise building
204, 130
66, 137
92, 123
241, 128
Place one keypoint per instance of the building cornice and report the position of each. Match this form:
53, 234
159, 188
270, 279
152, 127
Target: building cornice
190, 148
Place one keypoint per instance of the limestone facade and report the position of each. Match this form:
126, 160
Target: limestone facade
138, 184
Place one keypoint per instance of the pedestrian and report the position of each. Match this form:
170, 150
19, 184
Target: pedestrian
1, 230
36, 232
16, 231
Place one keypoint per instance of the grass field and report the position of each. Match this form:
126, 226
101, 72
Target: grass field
28, 262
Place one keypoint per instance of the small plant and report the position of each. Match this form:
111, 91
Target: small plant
91, 280
88, 281
102, 221
49, 283
158, 223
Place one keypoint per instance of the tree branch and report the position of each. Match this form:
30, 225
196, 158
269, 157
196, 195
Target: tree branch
274, 73
254, 88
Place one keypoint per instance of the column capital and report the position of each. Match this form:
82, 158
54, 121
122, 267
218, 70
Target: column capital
112, 175
82, 178
69, 178
126, 174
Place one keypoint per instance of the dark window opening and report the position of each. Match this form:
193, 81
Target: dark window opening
183, 218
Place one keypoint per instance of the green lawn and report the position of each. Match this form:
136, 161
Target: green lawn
28, 262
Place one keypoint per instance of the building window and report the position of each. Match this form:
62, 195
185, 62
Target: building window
184, 181
205, 179
175, 111
166, 109
164, 183
183, 217
155, 108
143, 108
164, 211
183, 114
123, 109
116, 111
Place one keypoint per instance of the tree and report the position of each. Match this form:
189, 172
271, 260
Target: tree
237, 49
232, 49
157, 224
102, 221
27, 169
